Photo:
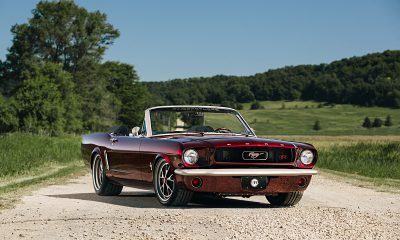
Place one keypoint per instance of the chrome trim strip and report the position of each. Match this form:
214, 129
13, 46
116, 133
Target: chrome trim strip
147, 120
121, 171
200, 134
241, 118
190, 106
106, 158
246, 172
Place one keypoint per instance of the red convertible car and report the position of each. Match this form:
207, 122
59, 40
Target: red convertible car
182, 150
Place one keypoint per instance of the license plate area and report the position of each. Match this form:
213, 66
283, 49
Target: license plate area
254, 182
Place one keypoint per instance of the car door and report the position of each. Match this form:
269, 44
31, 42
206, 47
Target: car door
124, 157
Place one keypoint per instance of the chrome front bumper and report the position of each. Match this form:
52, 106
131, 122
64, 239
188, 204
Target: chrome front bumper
242, 172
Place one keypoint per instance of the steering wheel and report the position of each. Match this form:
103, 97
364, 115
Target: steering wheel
223, 130
201, 128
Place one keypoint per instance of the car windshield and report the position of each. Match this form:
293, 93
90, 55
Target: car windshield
196, 120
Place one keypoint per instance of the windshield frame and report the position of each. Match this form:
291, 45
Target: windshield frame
149, 131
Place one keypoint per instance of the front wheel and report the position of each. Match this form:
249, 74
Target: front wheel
285, 199
102, 186
168, 194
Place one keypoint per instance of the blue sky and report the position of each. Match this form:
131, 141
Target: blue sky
178, 39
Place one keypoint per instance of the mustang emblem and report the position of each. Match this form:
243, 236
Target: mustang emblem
255, 155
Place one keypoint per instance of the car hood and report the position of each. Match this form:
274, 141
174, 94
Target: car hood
237, 141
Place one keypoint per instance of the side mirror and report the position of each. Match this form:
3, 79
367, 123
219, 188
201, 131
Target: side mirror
135, 131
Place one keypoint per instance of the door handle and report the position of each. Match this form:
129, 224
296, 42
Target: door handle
113, 139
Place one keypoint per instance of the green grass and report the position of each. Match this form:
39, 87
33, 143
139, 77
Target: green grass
371, 159
27, 159
298, 118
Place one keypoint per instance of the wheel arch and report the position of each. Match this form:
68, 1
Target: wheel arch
159, 157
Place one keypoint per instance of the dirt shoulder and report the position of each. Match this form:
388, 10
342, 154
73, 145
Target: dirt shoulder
329, 209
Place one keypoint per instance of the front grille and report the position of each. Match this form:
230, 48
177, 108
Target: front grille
275, 155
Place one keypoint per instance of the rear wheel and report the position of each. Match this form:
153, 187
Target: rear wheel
102, 186
285, 199
167, 192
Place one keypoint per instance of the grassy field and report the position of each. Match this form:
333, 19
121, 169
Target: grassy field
30, 159
372, 159
298, 118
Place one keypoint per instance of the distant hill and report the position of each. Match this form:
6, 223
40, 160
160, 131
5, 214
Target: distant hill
370, 80
299, 117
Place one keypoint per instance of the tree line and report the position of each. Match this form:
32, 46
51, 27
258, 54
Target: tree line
370, 80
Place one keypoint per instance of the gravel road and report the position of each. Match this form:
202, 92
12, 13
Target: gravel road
330, 209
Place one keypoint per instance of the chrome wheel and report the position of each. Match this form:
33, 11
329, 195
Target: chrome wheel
165, 182
97, 173
167, 191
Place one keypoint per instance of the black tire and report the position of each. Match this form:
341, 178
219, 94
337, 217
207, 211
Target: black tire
167, 192
102, 186
285, 199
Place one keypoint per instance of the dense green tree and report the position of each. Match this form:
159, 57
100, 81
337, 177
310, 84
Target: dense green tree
122, 80
367, 123
240, 93
39, 109
317, 126
377, 123
234, 105
8, 113
256, 105
61, 44
99, 106
69, 100
394, 98
388, 121
58, 32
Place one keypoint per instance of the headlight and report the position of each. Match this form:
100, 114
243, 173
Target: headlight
306, 157
190, 156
